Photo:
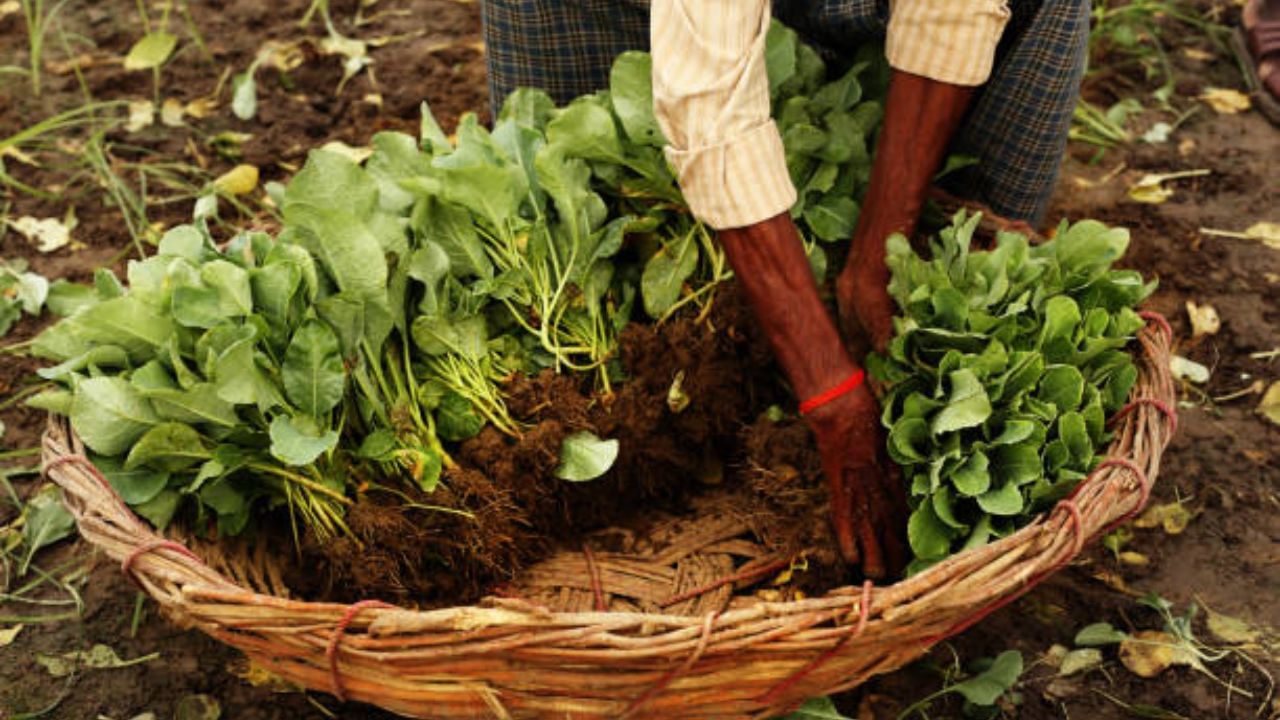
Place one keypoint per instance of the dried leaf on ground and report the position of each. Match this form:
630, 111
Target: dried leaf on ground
8, 635
96, 658
1184, 369
1151, 188
171, 112
1078, 661
142, 113
1173, 518
48, 234
1269, 408
1232, 630
258, 676
9, 7
1226, 101
1147, 653
239, 180
1204, 319
197, 707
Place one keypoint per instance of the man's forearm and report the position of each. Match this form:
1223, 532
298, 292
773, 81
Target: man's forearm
921, 116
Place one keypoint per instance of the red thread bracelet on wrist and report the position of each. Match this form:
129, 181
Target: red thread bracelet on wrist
850, 384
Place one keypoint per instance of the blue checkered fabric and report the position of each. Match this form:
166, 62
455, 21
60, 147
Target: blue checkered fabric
1017, 128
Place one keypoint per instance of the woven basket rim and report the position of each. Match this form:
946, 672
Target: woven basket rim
410, 660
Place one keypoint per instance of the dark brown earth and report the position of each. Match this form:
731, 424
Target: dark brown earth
1224, 463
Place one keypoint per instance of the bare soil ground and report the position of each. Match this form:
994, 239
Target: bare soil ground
1224, 465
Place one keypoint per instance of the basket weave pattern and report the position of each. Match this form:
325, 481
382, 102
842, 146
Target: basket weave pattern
698, 653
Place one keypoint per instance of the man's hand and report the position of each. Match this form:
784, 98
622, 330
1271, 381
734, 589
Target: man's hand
921, 115
868, 504
867, 507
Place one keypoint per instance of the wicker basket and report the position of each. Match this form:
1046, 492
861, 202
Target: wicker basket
703, 653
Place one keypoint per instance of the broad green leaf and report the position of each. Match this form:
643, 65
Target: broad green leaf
666, 272
584, 456
197, 307
45, 521
430, 135
586, 129
1014, 432
135, 486
297, 441
235, 295
238, 377
833, 218
1061, 318
779, 55
988, 686
967, 406
109, 414
529, 107
66, 298
456, 419
170, 447
1004, 500
450, 227
1016, 464
1073, 432
312, 373
928, 535
631, 92
197, 404
943, 507
972, 478
1062, 385
910, 441
160, 509
184, 241
151, 51
1097, 634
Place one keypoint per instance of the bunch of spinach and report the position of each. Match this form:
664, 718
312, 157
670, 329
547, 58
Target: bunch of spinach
211, 378
1004, 366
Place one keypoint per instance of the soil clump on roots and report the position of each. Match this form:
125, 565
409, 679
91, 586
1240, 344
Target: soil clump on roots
503, 507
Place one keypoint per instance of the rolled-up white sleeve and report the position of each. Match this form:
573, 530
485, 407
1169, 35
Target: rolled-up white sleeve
711, 97
952, 41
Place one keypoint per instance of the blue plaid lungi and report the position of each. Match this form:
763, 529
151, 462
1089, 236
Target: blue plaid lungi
1017, 127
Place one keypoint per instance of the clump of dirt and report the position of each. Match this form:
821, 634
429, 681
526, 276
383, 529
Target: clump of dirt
517, 511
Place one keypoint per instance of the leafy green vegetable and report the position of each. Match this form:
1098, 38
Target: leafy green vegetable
1003, 367
583, 456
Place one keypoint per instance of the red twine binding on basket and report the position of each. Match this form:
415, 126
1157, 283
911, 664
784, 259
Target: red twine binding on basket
331, 652
1069, 504
752, 574
597, 591
1160, 320
669, 676
864, 614
1156, 403
126, 565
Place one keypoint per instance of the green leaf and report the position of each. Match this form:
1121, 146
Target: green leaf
312, 374
160, 509
928, 535
631, 92
298, 441
665, 273
779, 55
1062, 385
244, 95
135, 486
1004, 500
1017, 464
1098, 634
238, 377
151, 51
45, 522
456, 419
171, 447
1073, 432
584, 456
972, 478
816, 709
988, 686
235, 295
910, 441
1061, 318
66, 298
967, 406
109, 414
833, 218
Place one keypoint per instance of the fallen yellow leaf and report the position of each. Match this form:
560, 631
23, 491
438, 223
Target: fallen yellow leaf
171, 112
1232, 630
1147, 653
1226, 101
142, 113
1151, 189
8, 635
239, 180
1129, 557
1269, 408
1204, 319
9, 7
1173, 518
